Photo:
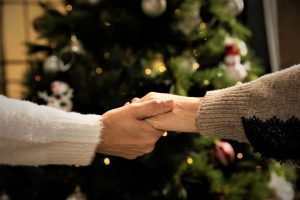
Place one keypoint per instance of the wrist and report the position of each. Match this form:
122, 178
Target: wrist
189, 106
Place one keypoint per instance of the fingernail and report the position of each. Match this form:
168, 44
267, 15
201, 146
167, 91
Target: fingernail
169, 103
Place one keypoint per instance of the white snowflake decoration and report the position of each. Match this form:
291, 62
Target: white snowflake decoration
61, 96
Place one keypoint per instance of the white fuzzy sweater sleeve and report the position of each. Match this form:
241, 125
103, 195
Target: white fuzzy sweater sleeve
38, 135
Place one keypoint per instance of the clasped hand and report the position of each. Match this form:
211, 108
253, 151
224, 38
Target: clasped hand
133, 130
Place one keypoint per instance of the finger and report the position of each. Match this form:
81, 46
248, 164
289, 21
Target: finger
127, 103
134, 100
152, 108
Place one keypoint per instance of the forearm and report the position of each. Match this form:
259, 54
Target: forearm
277, 94
39, 135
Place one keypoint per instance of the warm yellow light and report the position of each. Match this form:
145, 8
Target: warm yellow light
220, 74
106, 55
177, 12
75, 48
196, 66
202, 25
148, 71
165, 134
106, 161
206, 82
162, 69
99, 70
239, 155
69, 8
189, 160
74, 38
107, 23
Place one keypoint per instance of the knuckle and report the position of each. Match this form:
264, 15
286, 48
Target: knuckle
151, 95
156, 102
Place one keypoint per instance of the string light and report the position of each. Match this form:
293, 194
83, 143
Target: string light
177, 12
189, 160
160, 65
99, 70
165, 134
196, 66
206, 82
220, 74
73, 38
106, 55
69, 7
162, 69
202, 26
148, 71
239, 155
37, 78
106, 161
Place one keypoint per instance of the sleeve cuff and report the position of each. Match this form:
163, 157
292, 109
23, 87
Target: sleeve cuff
78, 145
221, 110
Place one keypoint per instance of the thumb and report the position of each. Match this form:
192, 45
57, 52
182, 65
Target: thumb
152, 108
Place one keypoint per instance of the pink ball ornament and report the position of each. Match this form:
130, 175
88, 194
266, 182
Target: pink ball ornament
223, 153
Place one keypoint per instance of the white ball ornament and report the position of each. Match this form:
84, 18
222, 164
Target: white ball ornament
236, 73
235, 7
53, 64
154, 8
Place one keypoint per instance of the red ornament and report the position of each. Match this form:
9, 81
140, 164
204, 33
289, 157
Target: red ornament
232, 49
223, 153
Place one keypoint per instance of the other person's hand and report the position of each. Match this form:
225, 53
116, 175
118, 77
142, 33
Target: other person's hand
127, 134
181, 119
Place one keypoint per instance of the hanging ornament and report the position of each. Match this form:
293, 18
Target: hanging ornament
242, 47
53, 64
75, 46
60, 97
234, 7
189, 17
154, 8
234, 70
280, 188
4, 196
185, 64
77, 195
223, 153
70, 51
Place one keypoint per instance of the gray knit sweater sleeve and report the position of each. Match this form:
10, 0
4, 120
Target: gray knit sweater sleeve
273, 99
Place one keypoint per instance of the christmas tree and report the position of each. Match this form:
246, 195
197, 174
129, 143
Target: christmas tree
102, 53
